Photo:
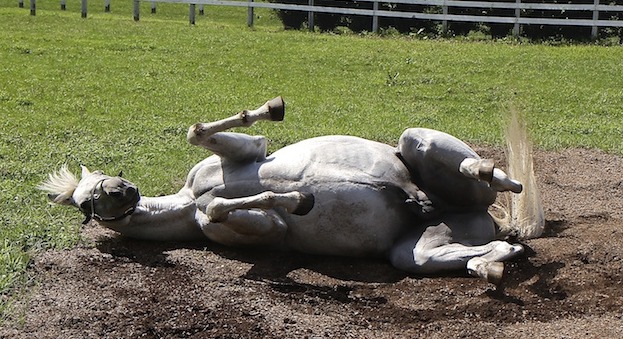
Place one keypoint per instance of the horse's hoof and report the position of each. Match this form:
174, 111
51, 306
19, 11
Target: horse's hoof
305, 205
495, 272
485, 170
492, 271
480, 169
277, 109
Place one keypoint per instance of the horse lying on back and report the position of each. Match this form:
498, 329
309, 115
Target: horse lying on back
423, 204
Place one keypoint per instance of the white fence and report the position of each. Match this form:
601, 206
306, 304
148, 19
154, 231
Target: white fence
517, 7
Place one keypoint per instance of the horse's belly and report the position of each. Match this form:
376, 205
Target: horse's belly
359, 189
350, 219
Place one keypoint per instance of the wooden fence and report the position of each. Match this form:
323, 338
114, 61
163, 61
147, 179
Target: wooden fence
517, 7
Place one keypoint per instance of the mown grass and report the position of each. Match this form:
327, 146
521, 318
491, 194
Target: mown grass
115, 94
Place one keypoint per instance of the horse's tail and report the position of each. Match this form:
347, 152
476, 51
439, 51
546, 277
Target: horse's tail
526, 217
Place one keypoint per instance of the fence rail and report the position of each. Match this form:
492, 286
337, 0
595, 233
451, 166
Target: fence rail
516, 19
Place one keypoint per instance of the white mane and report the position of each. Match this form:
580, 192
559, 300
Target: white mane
62, 183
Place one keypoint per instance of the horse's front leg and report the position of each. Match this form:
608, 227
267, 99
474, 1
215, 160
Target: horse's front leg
293, 202
237, 146
272, 110
446, 167
245, 227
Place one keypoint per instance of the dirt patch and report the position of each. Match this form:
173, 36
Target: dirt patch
568, 284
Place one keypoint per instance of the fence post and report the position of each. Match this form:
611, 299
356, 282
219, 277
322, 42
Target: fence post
107, 6
191, 14
250, 15
136, 10
444, 23
63, 5
375, 17
595, 28
33, 7
516, 26
310, 16
84, 8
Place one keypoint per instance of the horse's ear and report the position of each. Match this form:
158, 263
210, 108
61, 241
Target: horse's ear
120, 175
85, 171
61, 199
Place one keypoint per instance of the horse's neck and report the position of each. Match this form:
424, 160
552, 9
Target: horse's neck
165, 218
162, 207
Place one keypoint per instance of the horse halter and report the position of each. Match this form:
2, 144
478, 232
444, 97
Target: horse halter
91, 204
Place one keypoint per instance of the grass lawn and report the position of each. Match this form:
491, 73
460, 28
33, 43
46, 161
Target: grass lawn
114, 94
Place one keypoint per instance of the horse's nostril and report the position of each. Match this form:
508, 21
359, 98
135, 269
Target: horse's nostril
115, 194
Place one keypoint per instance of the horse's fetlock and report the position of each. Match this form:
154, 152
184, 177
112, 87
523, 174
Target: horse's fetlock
245, 117
475, 267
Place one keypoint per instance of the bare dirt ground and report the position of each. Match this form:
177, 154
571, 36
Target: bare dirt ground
569, 283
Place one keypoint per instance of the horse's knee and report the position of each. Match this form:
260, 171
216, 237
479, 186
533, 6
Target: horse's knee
435, 158
413, 145
434, 144
195, 132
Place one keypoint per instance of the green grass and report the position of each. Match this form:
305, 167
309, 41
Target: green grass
115, 94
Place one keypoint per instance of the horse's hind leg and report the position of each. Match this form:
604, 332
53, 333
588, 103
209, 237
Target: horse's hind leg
441, 164
484, 261
251, 220
484, 169
245, 227
461, 241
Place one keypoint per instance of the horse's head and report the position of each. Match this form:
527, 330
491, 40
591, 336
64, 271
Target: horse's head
97, 195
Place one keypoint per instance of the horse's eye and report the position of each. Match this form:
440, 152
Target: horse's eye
115, 194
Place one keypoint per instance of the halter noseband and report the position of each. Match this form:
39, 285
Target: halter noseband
92, 215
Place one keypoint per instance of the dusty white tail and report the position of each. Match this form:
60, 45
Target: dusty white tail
526, 219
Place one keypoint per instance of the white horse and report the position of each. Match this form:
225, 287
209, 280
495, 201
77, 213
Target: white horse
423, 204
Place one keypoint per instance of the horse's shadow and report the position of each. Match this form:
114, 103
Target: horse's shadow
267, 265
274, 266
